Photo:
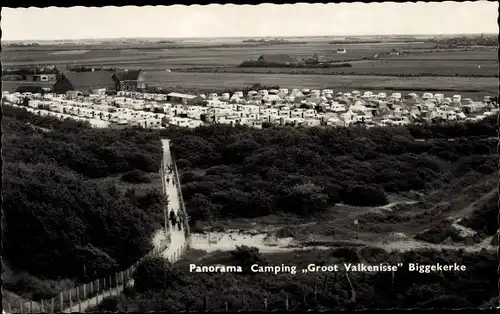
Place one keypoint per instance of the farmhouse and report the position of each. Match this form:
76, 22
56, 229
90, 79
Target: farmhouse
85, 81
133, 80
276, 58
341, 50
394, 52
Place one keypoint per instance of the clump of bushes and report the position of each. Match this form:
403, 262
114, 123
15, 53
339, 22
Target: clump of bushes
437, 235
135, 176
78, 227
242, 172
360, 195
329, 290
153, 274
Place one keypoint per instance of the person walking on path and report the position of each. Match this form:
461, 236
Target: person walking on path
173, 219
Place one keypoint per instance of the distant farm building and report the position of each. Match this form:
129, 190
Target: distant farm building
133, 80
276, 58
341, 50
395, 52
86, 81
41, 77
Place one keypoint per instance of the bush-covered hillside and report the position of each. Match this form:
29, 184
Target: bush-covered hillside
64, 216
242, 172
179, 289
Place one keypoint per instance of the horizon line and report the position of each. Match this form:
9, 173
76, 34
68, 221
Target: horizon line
237, 37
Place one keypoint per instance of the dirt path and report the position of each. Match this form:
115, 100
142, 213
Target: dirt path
178, 238
472, 206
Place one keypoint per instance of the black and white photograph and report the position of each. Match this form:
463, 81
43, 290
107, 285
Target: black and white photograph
267, 157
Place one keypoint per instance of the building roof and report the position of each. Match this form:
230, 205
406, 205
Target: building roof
179, 95
130, 75
12, 86
276, 58
30, 88
90, 79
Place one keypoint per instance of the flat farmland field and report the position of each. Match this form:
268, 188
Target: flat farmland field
195, 67
216, 81
380, 67
473, 55
189, 57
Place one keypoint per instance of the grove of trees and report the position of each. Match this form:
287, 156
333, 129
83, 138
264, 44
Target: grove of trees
64, 214
241, 172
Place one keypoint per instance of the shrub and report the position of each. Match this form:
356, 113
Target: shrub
153, 274
109, 304
135, 176
78, 227
245, 257
360, 195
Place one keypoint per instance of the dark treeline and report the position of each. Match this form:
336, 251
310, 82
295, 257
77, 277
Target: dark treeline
175, 288
242, 172
465, 41
90, 69
30, 71
61, 208
344, 42
310, 64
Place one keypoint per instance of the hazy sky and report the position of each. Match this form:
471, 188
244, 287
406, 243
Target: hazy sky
252, 21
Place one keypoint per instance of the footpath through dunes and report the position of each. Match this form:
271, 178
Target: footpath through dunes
178, 236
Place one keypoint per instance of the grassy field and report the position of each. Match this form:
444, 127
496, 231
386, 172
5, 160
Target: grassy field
205, 67
188, 57
380, 67
480, 54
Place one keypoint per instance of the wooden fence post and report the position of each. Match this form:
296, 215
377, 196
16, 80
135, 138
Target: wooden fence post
122, 278
78, 293
91, 288
286, 302
111, 281
205, 303
97, 290
31, 306
116, 279
41, 305
104, 284
70, 299
61, 297
9, 307
265, 304
226, 306
84, 291
21, 307
53, 305
79, 306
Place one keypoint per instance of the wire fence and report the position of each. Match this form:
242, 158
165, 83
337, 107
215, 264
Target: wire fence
273, 301
90, 294
183, 206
